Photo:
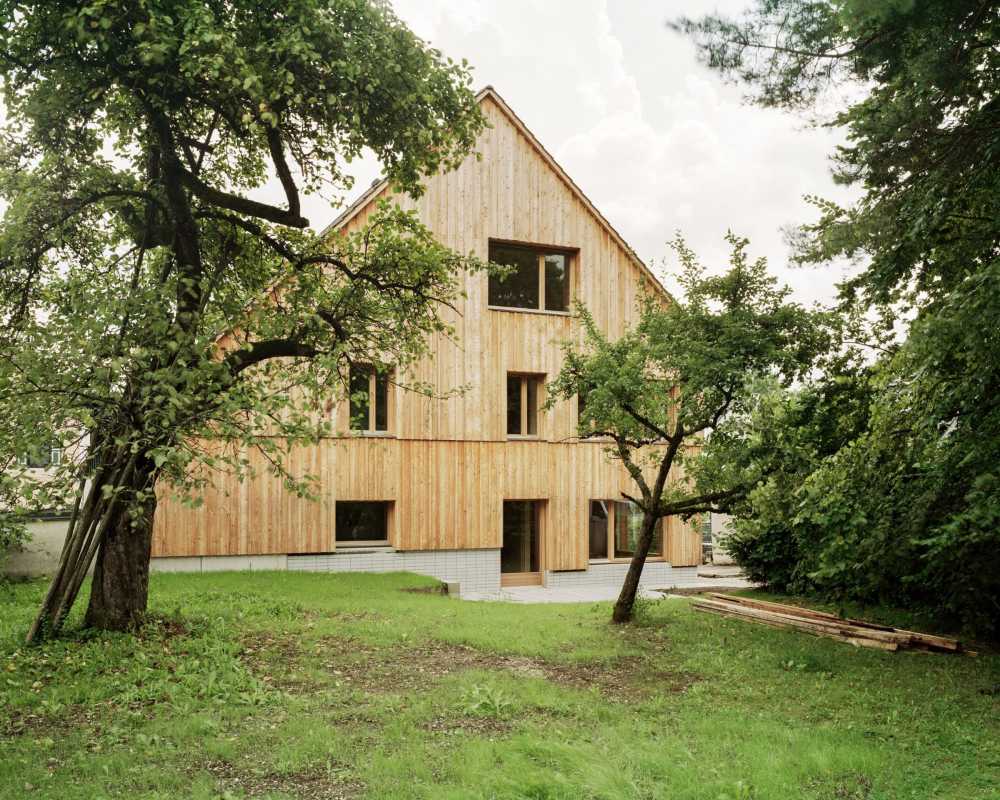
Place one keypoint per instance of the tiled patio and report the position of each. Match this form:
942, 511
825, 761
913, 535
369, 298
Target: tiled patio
597, 594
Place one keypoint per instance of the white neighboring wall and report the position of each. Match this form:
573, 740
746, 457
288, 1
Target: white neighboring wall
40, 554
720, 532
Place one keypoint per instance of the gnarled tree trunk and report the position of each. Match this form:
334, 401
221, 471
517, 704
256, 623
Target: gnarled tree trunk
626, 599
113, 519
120, 586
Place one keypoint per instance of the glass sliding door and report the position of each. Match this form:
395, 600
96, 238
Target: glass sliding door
628, 525
520, 555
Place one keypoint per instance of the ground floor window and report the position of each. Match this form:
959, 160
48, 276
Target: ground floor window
614, 528
520, 551
362, 523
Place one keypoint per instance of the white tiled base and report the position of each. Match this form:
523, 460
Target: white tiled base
218, 563
476, 571
655, 575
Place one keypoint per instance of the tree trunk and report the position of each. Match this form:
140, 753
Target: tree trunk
626, 599
120, 587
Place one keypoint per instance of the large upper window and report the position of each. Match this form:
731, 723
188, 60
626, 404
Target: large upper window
369, 400
539, 279
522, 404
614, 529
362, 523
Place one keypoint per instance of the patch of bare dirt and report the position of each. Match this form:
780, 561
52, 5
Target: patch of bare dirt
273, 659
162, 627
276, 659
23, 723
487, 727
305, 785
844, 787
409, 668
356, 616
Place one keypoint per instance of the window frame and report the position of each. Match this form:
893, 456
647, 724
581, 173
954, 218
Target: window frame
54, 454
525, 378
387, 511
371, 429
612, 507
541, 252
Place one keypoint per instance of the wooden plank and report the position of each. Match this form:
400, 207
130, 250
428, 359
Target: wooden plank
923, 639
813, 627
833, 624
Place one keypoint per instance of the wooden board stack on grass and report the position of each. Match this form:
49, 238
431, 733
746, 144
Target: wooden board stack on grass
820, 623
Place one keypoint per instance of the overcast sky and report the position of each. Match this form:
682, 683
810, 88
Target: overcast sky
655, 140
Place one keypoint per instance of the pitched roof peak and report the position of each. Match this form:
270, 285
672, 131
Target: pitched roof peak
489, 91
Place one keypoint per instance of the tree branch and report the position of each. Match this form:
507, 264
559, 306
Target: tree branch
643, 420
241, 205
240, 360
625, 456
284, 173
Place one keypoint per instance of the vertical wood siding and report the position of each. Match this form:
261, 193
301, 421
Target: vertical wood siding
448, 465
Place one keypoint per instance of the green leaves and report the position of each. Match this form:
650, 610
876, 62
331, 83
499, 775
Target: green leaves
668, 390
133, 254
902, 508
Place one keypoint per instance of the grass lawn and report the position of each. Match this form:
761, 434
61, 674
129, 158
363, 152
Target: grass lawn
287, 685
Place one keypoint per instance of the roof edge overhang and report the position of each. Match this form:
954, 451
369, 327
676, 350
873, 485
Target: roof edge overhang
381, 184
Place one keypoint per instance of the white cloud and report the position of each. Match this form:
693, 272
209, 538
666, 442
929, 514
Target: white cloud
656, 140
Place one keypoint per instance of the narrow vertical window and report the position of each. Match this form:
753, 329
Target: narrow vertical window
531, 418
514, 404
521, 542
522, 404
381, 415
360, 405
556, 282
369, 401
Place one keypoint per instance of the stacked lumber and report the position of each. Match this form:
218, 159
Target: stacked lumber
820, 623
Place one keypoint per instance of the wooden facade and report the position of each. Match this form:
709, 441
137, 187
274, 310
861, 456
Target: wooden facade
447, 465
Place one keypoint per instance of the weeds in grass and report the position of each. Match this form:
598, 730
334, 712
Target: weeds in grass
739, 791
805, 663
487, 701
643, 609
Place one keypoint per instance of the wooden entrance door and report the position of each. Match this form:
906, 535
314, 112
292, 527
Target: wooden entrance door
520, 555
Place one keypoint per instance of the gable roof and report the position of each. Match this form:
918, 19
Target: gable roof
381, 184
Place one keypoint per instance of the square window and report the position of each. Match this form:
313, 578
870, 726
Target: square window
519, 289
556, 282
362, 523
613, 531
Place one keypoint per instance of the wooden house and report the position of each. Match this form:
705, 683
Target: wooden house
484, 488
